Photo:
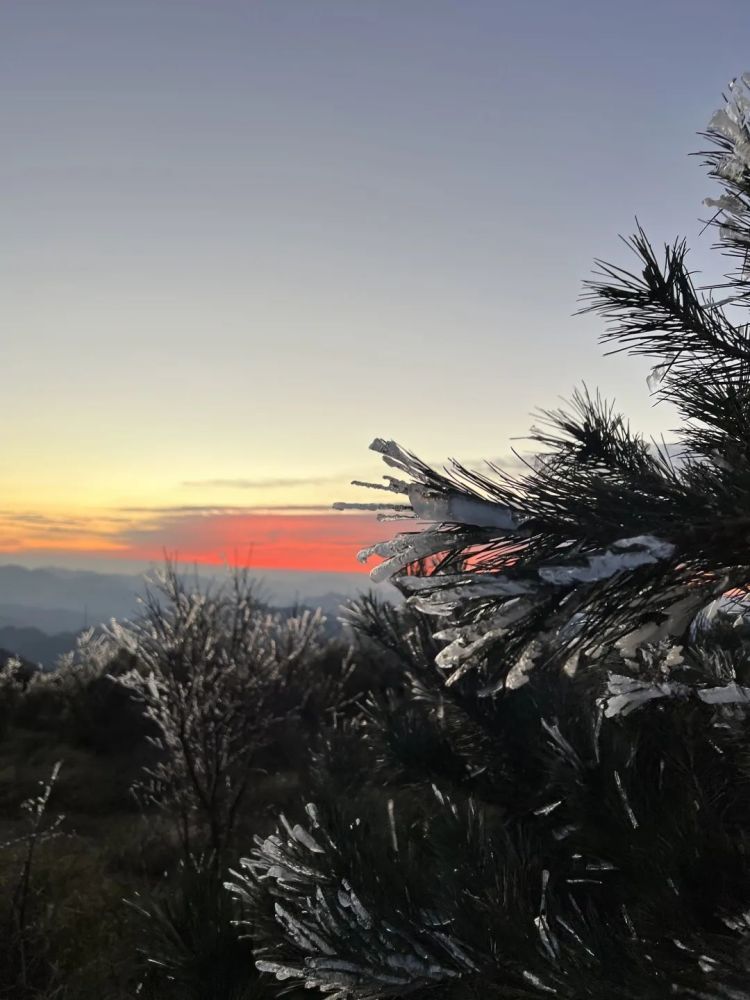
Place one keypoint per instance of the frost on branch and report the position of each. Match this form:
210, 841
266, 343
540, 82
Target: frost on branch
627, 538
729, 162
341, 939
215, 672
498, 554
357, 916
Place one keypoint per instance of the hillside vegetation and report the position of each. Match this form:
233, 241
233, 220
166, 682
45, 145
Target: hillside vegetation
134, 775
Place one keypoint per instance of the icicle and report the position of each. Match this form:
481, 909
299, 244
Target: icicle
548, 939
392, 825
536, 981
518, 675
726, 203
465, 642
405, 549
312, 811
601, 567
628, 693
300, 834
458, 654
731, 169
344, 505
570, 667
391, 485
545, 810
473, 584
707, 964
677, 618
445, 600
628, 922
722, 123
303, 936
458, 508
727, 694
281, 972
395, 456
348, 898
625, 800
334, 965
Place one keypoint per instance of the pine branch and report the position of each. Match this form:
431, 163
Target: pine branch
603, 538
659, 313
729, 163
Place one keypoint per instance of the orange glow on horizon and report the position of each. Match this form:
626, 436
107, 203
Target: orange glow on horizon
313, 542
317, 542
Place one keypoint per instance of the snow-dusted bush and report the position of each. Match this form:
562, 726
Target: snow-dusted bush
218, 675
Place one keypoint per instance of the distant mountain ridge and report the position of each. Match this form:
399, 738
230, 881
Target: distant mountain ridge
49, 620
88, 595
36, 646
42, 610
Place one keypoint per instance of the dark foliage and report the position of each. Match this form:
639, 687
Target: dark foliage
555, 799
191, 945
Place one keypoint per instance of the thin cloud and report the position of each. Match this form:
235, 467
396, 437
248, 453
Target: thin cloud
508, 462
211, 509
31, 522
262, 484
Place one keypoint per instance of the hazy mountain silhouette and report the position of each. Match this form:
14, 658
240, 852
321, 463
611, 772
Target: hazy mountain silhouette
34, 645
53, 600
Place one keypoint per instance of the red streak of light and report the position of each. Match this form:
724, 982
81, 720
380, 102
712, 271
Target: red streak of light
323, 542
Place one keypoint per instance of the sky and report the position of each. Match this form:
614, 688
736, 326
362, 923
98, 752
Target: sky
242, 238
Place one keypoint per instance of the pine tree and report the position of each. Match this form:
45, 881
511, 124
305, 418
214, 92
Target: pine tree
556, 799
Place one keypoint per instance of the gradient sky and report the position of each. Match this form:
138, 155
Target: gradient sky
240, 239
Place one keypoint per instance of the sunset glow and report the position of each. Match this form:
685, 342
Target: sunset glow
319, 541
327, 542
246, 238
